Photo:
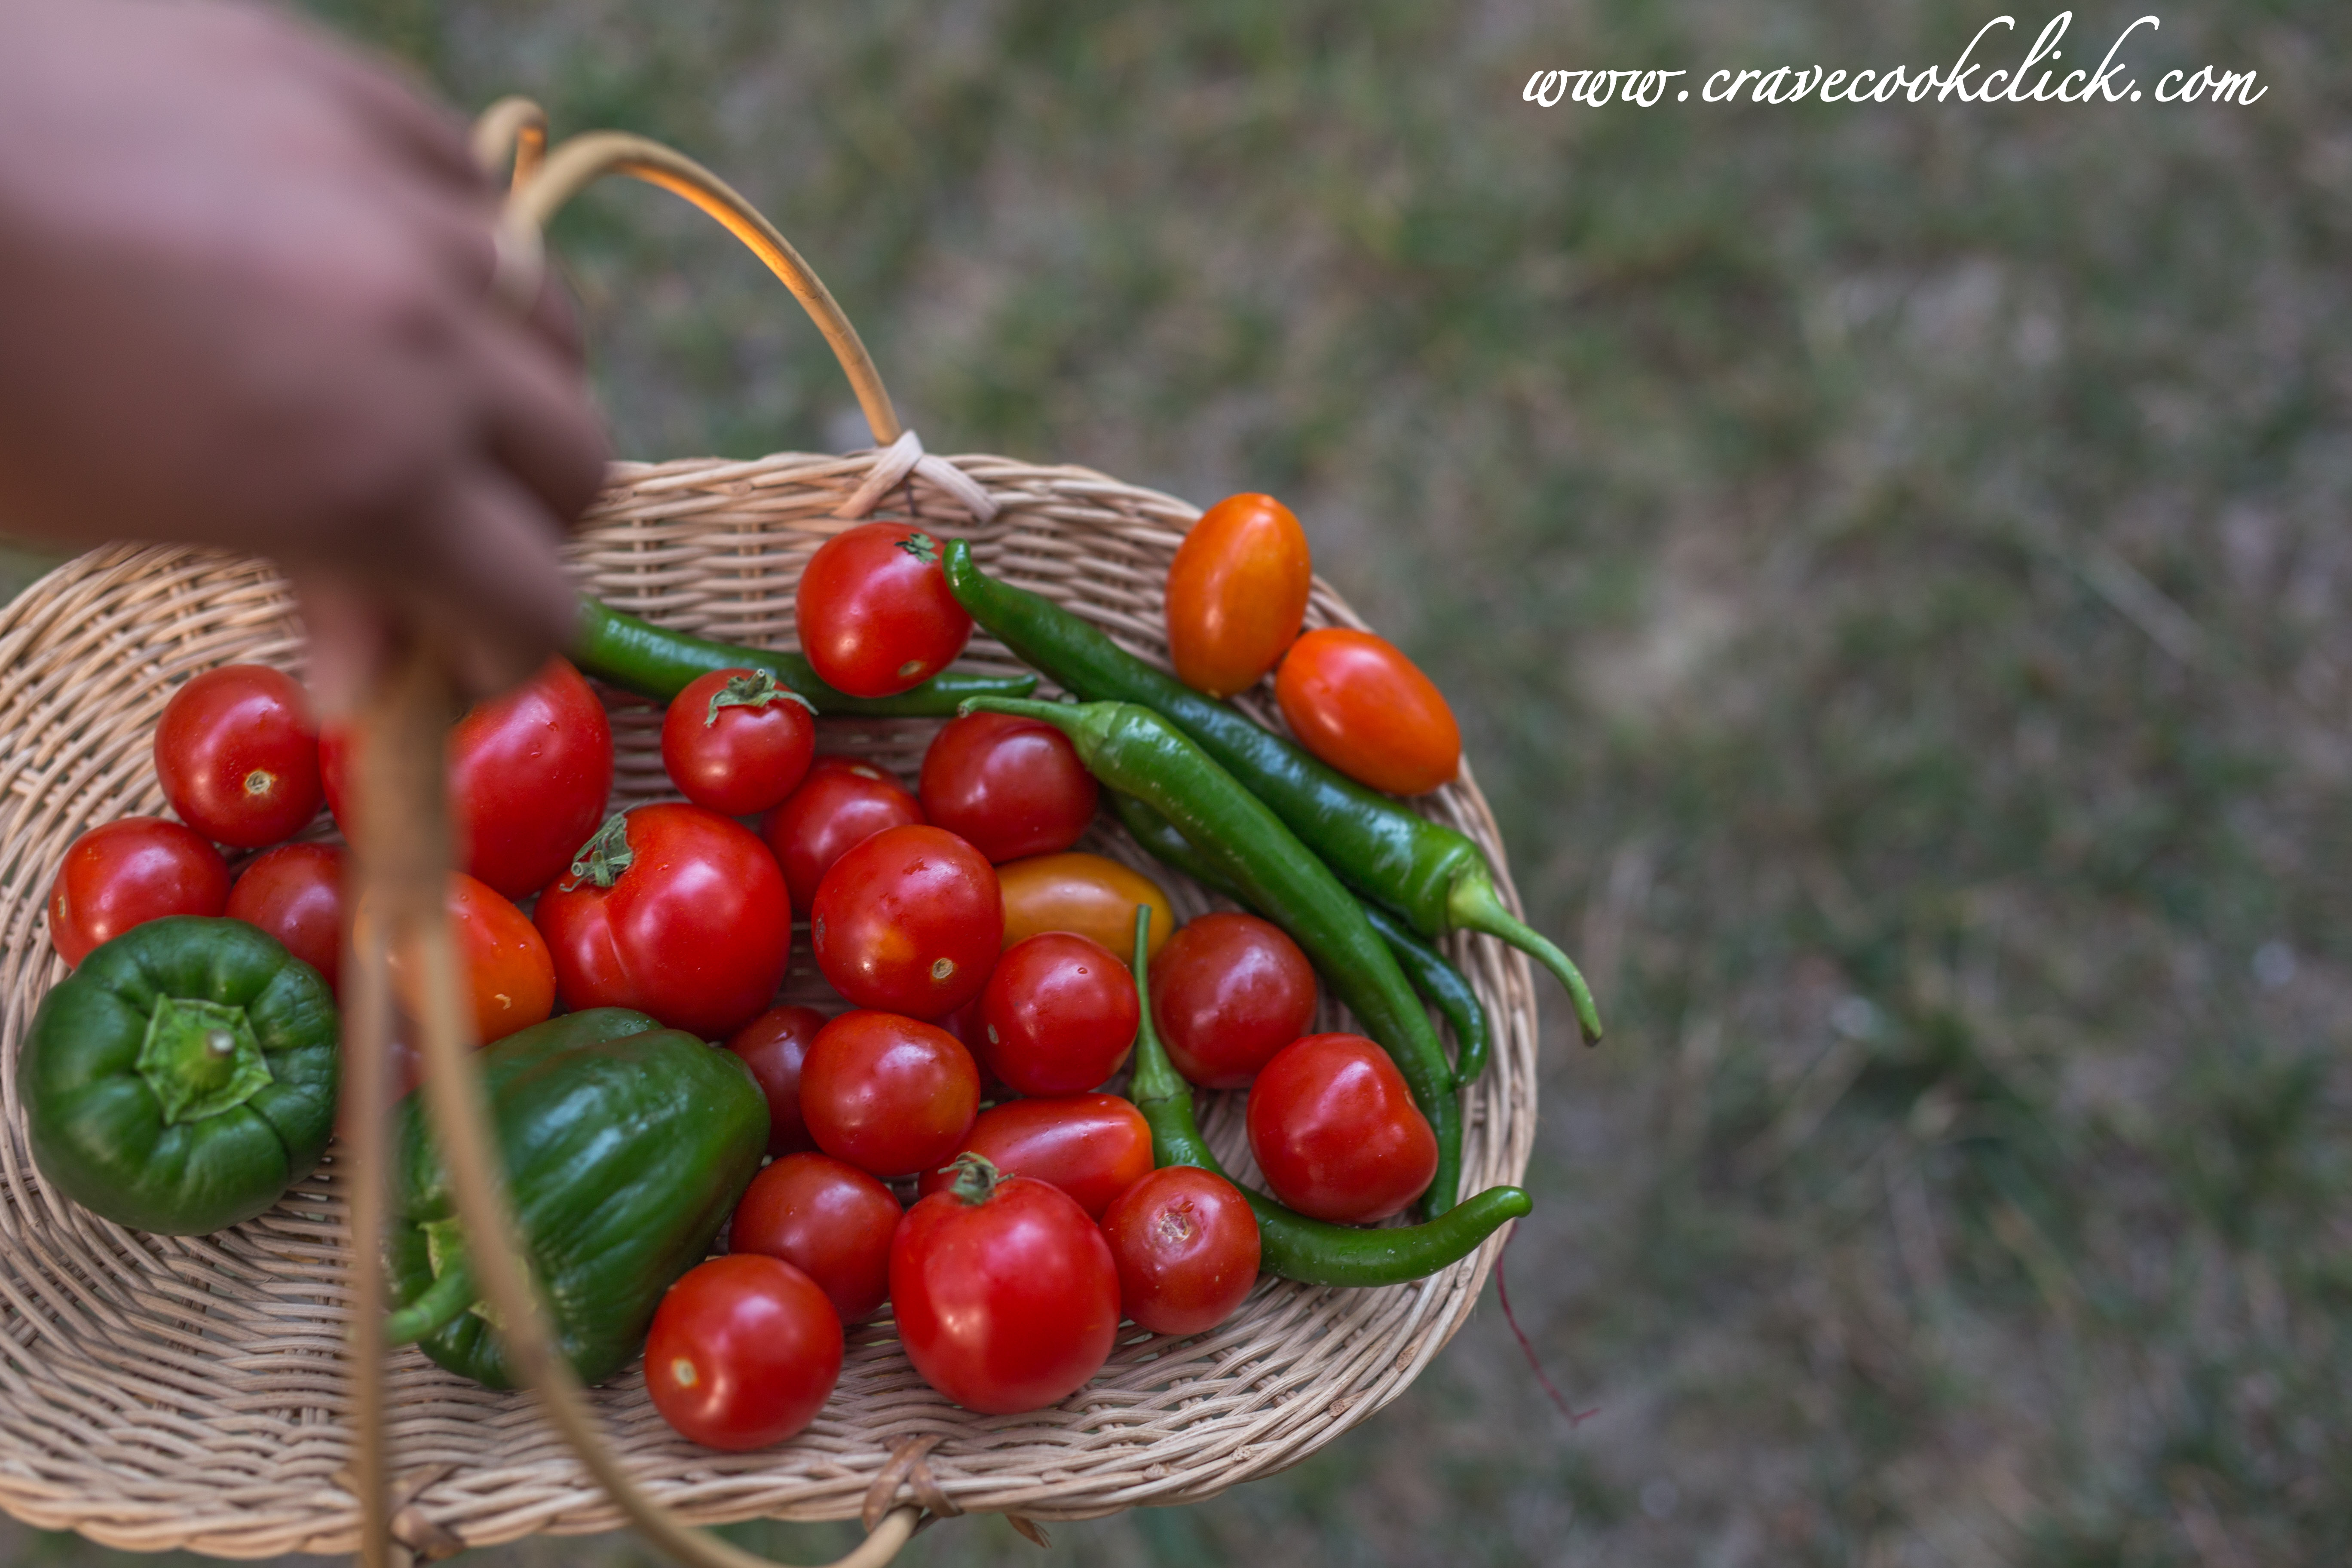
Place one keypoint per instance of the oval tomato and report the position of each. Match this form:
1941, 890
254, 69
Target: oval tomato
1364, 708
908, 921
1227, 991
1237, 593
1058, 1016
841, 804
1186, 1246
891, 1095
826, 1218
743, 1352
510, 975
1091, 895
295, 892
737, 742
125, 873
1335, 1131
774, 1045
875, 616
1010, 787
238, 757
1092, 1146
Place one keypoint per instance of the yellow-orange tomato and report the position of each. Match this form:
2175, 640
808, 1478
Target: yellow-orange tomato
1085, 893
1364, 708
1237, 593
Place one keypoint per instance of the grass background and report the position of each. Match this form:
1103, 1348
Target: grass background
1888, 562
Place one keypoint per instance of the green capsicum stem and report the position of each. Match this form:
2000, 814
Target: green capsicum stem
444, 1302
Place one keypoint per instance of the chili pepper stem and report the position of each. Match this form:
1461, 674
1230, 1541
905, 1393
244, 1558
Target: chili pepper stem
1471, 904
443, 1302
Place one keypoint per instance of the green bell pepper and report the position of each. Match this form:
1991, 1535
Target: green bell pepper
184, 1077
625, 1146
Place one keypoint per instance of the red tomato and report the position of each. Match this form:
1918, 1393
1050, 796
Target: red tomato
1005, 1292
744, 1350
737, 742
1237, 593
1335, 1131
1010, 787
875, 616
295, 892
509, 973
1227, 991
125, 873
238, 757
891, 1095
908, 921
1092, 1146
774, 1046
529, 774
682, 914
828, 1219
1059, 1014
1364, 708
1186, 1245
841, 804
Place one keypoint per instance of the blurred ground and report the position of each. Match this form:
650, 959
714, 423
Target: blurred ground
1889, 563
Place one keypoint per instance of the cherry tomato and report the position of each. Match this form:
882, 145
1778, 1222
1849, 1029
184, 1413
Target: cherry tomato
681, 914
125, 873
1227, 991
238, 757
1186, 1246
827, 1218
1005, 1292
1089, 894
509, 973
529, 774
1364, 708
841, 804
1335, 1130
1059, 1014
1237, 593
774, 1046
875, 616
744, 1350
908, 921
1011, 786
737, 742
891, 1095
1092, 1146
295, 892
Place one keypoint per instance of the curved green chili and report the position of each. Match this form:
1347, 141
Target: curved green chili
1438, 879
655, 662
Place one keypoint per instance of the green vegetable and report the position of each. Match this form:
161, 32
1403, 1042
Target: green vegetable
183, 1077
625, 1144
654, 662
1434, 877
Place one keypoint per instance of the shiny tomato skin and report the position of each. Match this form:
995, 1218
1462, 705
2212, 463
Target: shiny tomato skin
1335, 1131
237, 755
1361, 706
826, 1218
1059, 1015
1092, 1146
774, 1045
740, 758
744, 1350
841, 804
509, 974
1186, 1246
127, 872
891, 1095
1007, 1304
875, 616
1237, 594
1092, 895
295, 892
695, 931
1011, 786
908, 921
1227, 991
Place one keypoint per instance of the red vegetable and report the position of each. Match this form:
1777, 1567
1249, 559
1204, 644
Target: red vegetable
891, 1095
737, 742
841, 804
1010, 787
1237, 593
744, 1350
295, 892
237, 755
1058, 1016
827, 1218
1092, 1146
875, 616
1227, 991
125, 873
1186, 1246
774, 1045
908, 921
1335, 1131
509, 977
1364, 708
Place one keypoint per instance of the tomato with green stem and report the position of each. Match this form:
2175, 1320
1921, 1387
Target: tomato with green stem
737, 742
875, 616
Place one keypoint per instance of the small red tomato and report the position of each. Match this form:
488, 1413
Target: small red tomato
509, 975
875, 616
125, 873
908, 921
1010, 787
295, 892
1227, 991
891, 1095
1186, 1245
1005, 1292
744, 1350
1364, 708
238, 757
737, 742
1092, 1146
1237, 593
774, 1045
841, 804
827, 1218
1335, 1131
1059, 1014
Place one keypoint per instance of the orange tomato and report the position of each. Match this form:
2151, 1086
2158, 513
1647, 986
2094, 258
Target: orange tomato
1237, 593
1364, 708
509, 975
1088, 894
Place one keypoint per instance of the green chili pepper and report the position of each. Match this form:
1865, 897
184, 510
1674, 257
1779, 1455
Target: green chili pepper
1138, 753
624, 1145
184, 1077
1436, 877
1290, 1243
1440, 984
652, 661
